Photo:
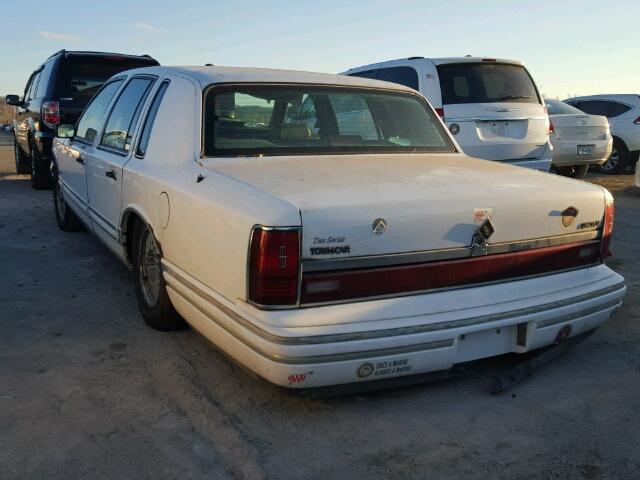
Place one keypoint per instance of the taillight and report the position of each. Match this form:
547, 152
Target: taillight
440, 112
51, 113
551, 127
637, 121
274, 260
607, 227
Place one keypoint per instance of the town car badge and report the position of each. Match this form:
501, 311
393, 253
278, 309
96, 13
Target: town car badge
568, 216
379, 226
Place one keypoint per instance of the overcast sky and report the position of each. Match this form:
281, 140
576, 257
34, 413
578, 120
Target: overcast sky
571, 47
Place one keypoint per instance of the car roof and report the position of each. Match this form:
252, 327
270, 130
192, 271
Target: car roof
439, 61
206, 76
628, 97
87, 53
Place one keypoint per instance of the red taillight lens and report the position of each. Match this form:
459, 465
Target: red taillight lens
637, 121
551, 127
440, 112
319, 287
607, 228
274, 260
51, 114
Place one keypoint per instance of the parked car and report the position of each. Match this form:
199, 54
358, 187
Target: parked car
623, 113
578, 140
316, 257
491, 106
57, 91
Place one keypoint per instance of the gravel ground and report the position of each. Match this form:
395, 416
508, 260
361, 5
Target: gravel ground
88, 391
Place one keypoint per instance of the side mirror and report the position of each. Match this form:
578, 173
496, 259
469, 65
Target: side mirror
65, 131
13, 100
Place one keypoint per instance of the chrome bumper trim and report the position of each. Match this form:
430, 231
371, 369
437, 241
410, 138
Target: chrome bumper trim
374, 261
583, 313
174, 276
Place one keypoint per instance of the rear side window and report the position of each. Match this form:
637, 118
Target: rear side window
486, 83
406, 76
45, 78
91, 118
353, 116
615, 108
81, 77
366, 74
123, 118
151, 118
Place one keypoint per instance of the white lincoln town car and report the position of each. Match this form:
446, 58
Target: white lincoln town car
324, 230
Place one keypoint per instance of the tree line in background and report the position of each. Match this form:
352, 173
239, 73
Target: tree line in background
6, 112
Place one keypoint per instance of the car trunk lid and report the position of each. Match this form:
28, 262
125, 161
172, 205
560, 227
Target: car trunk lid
579, 127
424, 201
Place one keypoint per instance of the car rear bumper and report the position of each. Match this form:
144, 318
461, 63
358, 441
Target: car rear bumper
371, 340
543, 162
565, 153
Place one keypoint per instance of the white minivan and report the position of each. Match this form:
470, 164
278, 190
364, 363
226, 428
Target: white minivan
492, 106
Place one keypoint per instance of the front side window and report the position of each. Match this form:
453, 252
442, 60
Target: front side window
486, 83
282, 120
91, 118
33, 87
593, 107
123, 118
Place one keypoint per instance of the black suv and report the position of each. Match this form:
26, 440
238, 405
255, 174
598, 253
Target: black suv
56, 93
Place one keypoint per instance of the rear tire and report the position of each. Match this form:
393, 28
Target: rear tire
21, 160
617, 161
151, 291
574, 171
66, 219
40, 170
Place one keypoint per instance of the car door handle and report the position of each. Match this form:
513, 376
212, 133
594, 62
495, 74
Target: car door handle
111, 174
80, 158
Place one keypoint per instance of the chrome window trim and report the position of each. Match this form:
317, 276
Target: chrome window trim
401, 89
394, 259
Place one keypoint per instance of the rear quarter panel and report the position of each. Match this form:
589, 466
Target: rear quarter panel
209, 221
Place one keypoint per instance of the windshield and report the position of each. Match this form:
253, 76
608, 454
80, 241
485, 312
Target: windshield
486, 83
556, 107
288, 120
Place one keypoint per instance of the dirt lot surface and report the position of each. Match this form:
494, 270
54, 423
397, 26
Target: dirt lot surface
87, 390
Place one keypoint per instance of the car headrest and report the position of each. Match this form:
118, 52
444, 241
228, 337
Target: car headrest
295, 131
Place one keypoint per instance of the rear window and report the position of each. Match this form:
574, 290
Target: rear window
486, 83
287, 120
81, 77
556, 107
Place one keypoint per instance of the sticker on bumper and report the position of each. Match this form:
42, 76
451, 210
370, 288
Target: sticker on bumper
388, 367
